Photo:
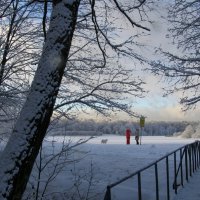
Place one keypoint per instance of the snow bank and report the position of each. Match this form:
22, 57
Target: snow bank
191, 131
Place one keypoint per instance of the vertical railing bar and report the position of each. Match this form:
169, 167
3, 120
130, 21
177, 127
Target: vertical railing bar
199, 153
190, 160
175, 178
157, 186
108, 193
197, 149
189, 173
139, 187
167, 174
181, 160
195, 155
186, 163
193, 164
191, 151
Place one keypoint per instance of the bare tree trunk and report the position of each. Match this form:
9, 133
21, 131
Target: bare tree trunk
17, 159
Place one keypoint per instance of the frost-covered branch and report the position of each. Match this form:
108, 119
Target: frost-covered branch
97, 32
182, 68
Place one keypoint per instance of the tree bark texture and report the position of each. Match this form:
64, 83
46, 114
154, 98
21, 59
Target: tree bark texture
19, 155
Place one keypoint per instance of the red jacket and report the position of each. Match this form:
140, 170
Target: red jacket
128, 133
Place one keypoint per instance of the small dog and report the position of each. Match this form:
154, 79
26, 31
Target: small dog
104, 141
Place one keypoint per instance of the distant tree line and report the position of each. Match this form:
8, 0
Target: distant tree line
77, 127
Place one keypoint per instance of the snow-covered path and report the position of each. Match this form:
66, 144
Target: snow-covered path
191, 189
115, 160
108, 163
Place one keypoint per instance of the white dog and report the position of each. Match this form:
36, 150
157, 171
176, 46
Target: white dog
104, 141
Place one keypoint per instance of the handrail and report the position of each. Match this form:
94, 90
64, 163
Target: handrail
194, 163
190, 151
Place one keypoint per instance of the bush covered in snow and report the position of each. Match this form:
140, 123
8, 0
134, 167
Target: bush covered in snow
191, 131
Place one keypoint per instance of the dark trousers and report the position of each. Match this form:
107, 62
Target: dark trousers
137, 139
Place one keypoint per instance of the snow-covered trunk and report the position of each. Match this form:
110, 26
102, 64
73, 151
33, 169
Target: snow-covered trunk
17, 159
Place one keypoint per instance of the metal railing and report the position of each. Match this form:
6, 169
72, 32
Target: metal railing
189, 162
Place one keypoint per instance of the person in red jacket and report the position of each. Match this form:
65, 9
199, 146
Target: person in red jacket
128, 135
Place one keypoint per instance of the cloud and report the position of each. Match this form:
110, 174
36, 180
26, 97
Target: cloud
167, 112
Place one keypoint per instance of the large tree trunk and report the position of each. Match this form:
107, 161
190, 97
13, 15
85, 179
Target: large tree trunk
18, 157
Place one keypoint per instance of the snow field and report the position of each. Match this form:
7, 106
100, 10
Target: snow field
98, 165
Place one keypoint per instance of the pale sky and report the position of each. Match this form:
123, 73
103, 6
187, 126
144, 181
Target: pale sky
154, 106
159, 108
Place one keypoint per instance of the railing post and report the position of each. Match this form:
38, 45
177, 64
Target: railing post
181, 163
193, 159
186, 162
108, 193
199, 153
175, 178
139, 187
157, 186
167, 174
190, 160
195, 154
197, 148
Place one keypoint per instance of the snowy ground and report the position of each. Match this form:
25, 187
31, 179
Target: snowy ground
191, 190
98, 165
102, 164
